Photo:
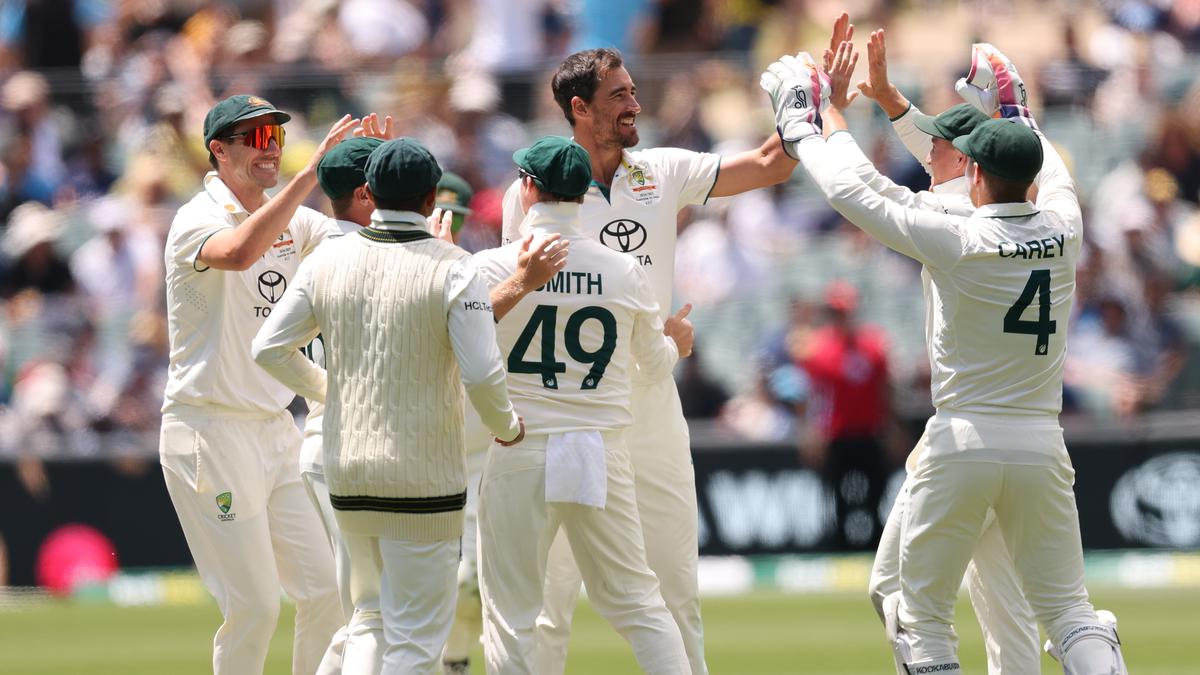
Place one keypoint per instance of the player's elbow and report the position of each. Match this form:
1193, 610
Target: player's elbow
262, 354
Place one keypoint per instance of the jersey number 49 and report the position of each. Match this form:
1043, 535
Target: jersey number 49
545, 318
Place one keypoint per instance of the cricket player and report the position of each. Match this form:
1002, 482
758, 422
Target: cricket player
631, 208
404, 318
228, 446
571, 348
1005, 617
994, 442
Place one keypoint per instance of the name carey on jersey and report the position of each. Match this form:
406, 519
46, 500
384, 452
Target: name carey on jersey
1050, 247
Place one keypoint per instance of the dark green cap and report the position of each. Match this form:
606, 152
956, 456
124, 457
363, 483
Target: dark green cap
343, 168
235, 109
1005, 149
558, 165
402, 168
955, 121
454, 193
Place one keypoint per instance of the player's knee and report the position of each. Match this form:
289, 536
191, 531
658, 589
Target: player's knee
258, 613
876, 594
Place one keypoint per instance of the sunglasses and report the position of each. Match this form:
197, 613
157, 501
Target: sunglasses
260, 138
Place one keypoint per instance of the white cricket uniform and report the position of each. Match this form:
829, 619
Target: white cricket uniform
403, 619
1002, 282
229, 448
312, 472
572, 347
1010, 634
638, 217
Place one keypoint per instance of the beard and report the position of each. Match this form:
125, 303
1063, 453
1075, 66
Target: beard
620, 135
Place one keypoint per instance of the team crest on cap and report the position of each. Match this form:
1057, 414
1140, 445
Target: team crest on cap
447, 195
254, 100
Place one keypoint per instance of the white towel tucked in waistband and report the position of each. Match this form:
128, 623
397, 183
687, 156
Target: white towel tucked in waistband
575, 468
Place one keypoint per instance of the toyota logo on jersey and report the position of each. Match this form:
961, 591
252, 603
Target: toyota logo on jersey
623, 235
271, 286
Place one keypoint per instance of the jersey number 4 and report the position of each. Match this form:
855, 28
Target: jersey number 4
1038, 285
545, 318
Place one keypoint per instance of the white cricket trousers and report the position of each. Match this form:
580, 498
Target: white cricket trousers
468, 613
665, 481
516, 528
415, 584
1010, 633
318, 493
235, 483
948, 504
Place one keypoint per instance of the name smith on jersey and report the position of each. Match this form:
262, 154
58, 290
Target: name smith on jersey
577, 283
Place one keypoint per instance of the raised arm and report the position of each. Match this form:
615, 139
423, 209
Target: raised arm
237, 248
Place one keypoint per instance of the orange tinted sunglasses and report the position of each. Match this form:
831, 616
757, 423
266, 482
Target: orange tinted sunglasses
260, 137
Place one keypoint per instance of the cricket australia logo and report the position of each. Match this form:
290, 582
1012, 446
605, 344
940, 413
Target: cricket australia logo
623, 235
224, 503
271, 286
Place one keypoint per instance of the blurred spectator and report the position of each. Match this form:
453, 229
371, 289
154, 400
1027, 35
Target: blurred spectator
36, 138
32, 264
849, 414
49, 33
1069, 81
772, 409
702, 397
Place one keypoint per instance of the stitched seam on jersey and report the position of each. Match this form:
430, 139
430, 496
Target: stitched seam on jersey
197, 258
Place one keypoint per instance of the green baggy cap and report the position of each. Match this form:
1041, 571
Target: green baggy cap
235, 109
344, 168
454, 193
402, 168
558, 165
955, 121
1006, 149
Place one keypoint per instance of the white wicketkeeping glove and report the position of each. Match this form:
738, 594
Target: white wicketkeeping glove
994, 86
799, 92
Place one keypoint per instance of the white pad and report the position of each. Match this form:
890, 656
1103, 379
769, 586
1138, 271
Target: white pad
902, 650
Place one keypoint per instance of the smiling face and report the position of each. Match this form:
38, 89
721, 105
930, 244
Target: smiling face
945, 161
611, 116
242, 167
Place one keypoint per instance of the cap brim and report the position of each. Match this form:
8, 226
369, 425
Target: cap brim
961, 145
280, 116
928, 124
454, 208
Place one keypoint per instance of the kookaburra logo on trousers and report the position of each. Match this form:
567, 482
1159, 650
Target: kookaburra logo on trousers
271, 285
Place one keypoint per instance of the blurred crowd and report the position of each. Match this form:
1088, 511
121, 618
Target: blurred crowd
806, 329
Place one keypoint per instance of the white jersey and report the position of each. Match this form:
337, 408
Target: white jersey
1002, 284
571, 345
213, 315
637, 216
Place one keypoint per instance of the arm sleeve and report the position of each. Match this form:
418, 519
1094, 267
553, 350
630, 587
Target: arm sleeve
917, 142
694, 172
844, 144
932, 239
291, 326
473, 339
1056, 190
655, 353
188, 234
512, 215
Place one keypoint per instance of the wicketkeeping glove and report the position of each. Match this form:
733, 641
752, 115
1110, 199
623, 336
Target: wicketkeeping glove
994, 86
799, 92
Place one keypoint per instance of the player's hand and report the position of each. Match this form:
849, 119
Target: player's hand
843, 31
845, 59
799, 91
878, 86
678, 328
440, 222
538, 265
336, 133
520, 434
994, 86
371, 128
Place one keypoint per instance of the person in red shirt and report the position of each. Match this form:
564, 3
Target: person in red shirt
849, 413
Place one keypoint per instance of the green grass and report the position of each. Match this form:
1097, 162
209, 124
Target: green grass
758, 634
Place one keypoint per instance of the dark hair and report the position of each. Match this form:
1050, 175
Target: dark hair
580, 74
342, 204
1005, 191
414, 203
212, 159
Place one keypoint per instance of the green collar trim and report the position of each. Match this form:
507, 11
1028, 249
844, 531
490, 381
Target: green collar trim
394, 236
